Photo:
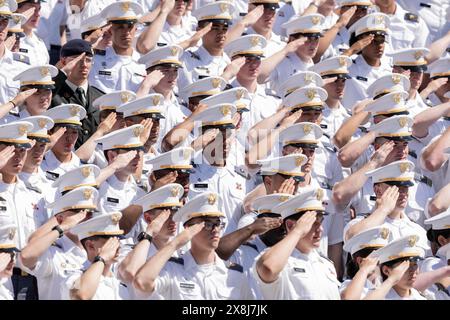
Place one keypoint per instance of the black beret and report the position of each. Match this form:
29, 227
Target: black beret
76, 47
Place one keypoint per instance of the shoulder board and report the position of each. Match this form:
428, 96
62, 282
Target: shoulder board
56, 245
373, 198
51, 175
447, 118
21, 58
251, 245
177, 260
329, 147
325, 134
423, 179
242, 14
228, 87
363, 129
15, 114
99, 52
147, 23
411, 17
426, 5
244, 34
23, 50
2, 199
33, 188
413, 154
161, 44
272, 93
323, 126
124, 285
194, 55
241, 171
281, 14
235, 267
325, 185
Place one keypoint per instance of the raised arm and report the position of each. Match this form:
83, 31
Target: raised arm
353, 150
433, 156
250, 18
272, 262
356, 286
440, 202
427, 117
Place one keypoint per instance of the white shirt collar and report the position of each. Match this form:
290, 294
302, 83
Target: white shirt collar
74, 86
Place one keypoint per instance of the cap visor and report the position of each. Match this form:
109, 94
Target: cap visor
218, 21
131, 21
40, 139
8, 250
402, 138
421, 68
400, 183
68, 125
40, 86
304, 145
17, 145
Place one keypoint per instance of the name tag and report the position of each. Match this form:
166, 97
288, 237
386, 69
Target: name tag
104, 73
51, 175
200, 185
187, 285
113, 200
23, 50
3, 208
301, 270
361, 78
426, 5
1, 199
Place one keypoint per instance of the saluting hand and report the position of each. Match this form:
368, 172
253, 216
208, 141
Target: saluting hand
262, 225
5, 155
388, 200
305, 223
148, 125
290, 119
359, 45
171, 177
71, 221
5, 259
110, 250
20, 98
252, 16
106, 125
344, 19
55, 136
155, 226
188, 233
10, 42
123, 159
294, 45
199, 34
288, 186
380, 156
398, 272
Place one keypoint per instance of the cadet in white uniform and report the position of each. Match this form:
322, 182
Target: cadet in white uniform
371, 63
62, 158
261, 105
209, 59
404, 250
8, 252
120, 189
116, 68
292, 269
189, 277
212, 173
406, 29
438, 235
31, 45
334, 113
134, 113
363, 277
311, 27
35, 77
97, 280
56, 252
167, 61
32, 175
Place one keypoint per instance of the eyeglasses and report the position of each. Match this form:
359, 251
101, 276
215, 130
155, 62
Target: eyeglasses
210, 226
296, 178
379, 39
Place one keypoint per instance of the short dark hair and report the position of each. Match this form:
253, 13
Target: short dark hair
351, 265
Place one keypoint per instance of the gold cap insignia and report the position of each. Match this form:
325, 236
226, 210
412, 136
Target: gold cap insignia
156, 100
42, 123
397, 98
44, 71
384, 233
396, 79
115, 218
307, 128
212, 199
403, 122
319, 194
311, 93
74, 110
215, 82
137, 131
412, 240
379, 19
124, 97
223, 7
87, 194
254, 41
174, 191
11, 233
309, 78
16, 19
404, 167
315, 20
2, 2
86, 171
283, 198
186, 154
125, 6
239, 94
342, 61
174, 51
225, 110
418, 55
23, 129
299, 161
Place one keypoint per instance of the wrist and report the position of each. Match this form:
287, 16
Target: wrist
59, 229
99, 259
14, 104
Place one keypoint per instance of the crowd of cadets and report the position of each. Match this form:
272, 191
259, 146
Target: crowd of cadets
245, 149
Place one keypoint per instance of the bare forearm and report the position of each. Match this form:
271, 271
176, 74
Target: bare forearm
85, 151
264, 127
356, 286
177, 134
376, 218
433, 156
345, 190
438, 47
262, 149
269, 64
348, 129
236, 31
146, 276
326, 41
381, 292
33, 250
149, 37
440, 202
130, 216
427, 279
231, 242
5, 109
274, 259
134, 261
88, 282
353, 150
426, 118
